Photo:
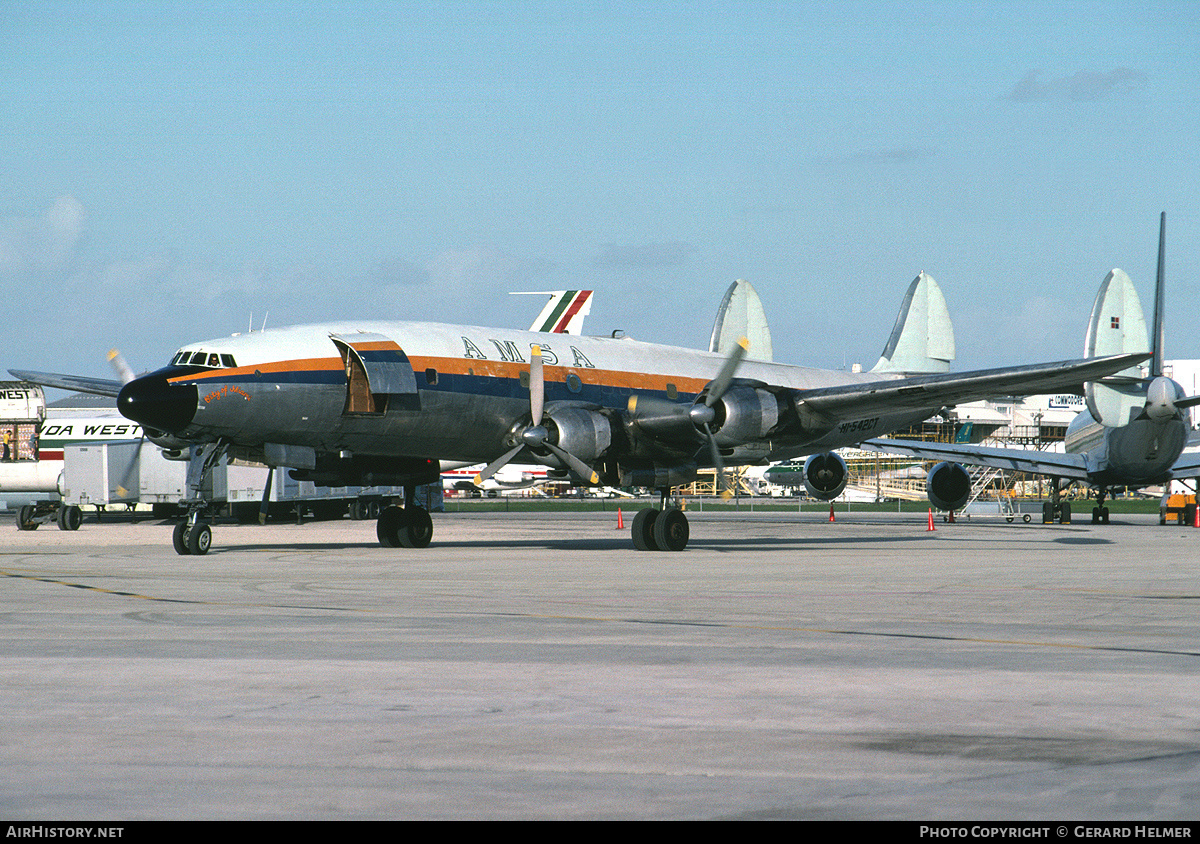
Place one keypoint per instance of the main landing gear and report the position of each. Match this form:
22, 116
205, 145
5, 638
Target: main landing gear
1100, 512
1056, 508
404, 527
660, 528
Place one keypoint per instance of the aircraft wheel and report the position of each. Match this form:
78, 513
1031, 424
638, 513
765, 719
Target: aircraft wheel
388, 528
643, 529
1103, 515
70, 517
1047, 513
199, 540
356, 511
417, 529
671, 530
1065, 514
179, 539
25, 518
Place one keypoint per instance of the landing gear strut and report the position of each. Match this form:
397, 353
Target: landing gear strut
193, 536
660, 529
1056, 508
1100, 512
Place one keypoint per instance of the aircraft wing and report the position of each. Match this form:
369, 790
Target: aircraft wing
828, 404
76, 383
1030, 460
1187, 466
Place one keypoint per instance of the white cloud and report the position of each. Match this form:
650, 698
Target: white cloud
1083, 86
44, 245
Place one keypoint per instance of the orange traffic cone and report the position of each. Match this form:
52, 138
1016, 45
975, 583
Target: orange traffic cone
931, 527
620, 521
831, 511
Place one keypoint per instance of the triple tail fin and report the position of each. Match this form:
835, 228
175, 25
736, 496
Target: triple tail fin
923, 338
1118, 326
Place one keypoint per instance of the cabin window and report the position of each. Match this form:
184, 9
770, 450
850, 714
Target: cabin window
573, 382
431, 377
672, 392
525, 379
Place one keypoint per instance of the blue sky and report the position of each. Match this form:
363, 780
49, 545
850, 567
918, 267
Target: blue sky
171, 169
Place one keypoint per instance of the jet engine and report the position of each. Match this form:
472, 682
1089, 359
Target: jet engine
948, 486
825, 475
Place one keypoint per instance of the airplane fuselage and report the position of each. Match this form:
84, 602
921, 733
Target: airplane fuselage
1138, 453
449, 392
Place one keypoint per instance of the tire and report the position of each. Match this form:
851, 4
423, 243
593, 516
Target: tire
388, 527
25, 518
417, 530
671, 530
1064, 516
70, 518
1027, 518
199, 540
179, 539
643, 530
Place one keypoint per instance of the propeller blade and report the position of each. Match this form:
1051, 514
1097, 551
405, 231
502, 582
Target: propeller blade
719, 465
537, 386
123, 487
720, 384
497, 464
580, 468
118, 363
266, 497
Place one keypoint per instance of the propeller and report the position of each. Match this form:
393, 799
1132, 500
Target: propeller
124, 372
705, 415
660, 417
536, 435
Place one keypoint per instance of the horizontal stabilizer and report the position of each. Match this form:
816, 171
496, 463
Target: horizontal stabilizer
741, 315
923, 338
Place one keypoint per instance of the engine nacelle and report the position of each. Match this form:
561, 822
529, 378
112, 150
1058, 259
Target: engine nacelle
825, 475
748, 414
948, 486
584, 433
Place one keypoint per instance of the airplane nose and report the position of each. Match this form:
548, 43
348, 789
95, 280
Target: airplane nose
155, 403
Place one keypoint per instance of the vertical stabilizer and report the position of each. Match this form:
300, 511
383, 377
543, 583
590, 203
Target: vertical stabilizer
564, 312
741, 315
923, 338
1156, 362
1117, 326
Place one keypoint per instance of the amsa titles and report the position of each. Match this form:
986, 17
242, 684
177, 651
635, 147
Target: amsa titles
509, 351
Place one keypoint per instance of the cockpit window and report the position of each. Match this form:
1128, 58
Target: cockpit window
211, 360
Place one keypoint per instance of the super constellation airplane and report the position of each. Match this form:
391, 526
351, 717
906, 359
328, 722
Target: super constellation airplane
1132, 434
366, 403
